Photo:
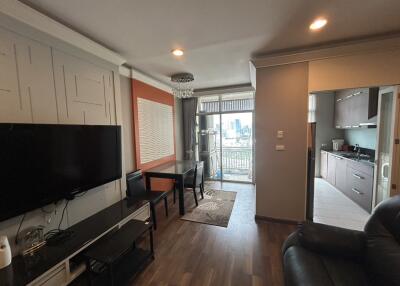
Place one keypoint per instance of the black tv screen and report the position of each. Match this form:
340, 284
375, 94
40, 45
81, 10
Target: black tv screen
44, 163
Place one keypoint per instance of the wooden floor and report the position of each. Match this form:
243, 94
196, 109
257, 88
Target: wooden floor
189, 253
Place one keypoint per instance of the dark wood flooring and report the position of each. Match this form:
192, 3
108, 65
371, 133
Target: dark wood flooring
244, 253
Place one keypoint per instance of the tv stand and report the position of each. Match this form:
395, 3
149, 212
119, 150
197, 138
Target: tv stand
116, 258
60, 264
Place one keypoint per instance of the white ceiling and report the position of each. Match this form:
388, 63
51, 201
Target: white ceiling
219, 36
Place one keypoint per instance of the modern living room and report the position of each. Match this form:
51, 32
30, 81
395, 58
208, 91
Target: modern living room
167, 143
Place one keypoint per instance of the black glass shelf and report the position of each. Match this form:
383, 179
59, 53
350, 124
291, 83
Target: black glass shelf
24, 270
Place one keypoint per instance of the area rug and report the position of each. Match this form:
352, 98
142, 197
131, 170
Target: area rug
215, 208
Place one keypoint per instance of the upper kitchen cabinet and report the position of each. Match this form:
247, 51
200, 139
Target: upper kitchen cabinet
355, 108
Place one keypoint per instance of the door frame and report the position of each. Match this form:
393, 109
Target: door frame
394, 148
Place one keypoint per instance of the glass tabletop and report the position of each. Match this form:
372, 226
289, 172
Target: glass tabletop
175, 167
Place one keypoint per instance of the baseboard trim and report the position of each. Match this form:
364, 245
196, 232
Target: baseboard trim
276, 220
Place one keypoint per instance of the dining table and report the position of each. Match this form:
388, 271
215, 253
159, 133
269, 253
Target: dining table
176, 170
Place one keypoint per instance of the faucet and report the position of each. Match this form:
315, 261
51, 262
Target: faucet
358, 150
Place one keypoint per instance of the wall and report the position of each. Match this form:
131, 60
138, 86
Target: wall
127, 115
360, 70
43, 84
325, 132
281, 103
366, 138
328, 72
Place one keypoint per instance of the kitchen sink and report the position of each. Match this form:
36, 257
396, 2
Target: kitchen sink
354, 156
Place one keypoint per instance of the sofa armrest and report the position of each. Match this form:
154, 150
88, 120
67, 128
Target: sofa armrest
331, 240
291, 240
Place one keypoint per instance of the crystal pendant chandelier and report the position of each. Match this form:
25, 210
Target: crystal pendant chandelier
182, 85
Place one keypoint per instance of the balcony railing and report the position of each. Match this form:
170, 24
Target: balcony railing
237, 160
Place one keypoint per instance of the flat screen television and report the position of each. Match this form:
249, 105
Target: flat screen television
43, 163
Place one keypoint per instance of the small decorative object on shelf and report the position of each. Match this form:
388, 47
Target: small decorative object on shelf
5, 252
182, 85
31, 239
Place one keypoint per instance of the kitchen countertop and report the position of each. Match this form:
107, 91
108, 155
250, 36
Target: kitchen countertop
342, 154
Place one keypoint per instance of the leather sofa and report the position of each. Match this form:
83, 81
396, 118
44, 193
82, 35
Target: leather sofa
318, 254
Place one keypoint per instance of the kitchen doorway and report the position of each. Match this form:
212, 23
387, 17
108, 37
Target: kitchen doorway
351, 164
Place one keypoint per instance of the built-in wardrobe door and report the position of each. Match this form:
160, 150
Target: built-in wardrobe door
85, 92
26, 80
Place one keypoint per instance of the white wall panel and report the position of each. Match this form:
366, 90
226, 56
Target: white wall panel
28, 93
85, 93
13, 104
156, 121
40, 84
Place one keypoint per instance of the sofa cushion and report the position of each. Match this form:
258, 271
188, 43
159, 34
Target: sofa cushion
345, 271
305, 267
302, 267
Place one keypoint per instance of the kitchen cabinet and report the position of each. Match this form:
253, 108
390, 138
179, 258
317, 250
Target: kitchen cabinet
331, 177
359, 187
352, 178
355, 108
341, 170
324, 165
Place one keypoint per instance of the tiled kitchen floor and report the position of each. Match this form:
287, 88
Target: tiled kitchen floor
334, 208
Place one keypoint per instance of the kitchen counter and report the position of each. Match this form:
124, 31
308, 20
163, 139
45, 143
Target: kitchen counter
348, 156
352, 176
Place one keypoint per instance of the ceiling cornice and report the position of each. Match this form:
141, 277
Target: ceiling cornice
340, 50
29, 16
138, 75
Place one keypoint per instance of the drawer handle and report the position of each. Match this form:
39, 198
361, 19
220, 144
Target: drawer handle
358, 176
356, 191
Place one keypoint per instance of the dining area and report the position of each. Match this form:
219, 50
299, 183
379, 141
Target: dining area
180, 175
163, 164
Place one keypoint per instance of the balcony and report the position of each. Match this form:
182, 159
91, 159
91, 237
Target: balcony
237, 164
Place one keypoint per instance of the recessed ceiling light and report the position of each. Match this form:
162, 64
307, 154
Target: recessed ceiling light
318, 24
177, 52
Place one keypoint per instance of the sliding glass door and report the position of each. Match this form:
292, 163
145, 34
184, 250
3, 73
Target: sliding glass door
237, 147
225, 136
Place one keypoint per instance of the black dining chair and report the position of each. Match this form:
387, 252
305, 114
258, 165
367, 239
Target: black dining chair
136, 189
194, 180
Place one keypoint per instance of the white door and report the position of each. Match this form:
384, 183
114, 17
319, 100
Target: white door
387, 153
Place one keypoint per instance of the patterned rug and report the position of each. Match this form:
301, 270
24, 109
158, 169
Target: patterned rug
215, 209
